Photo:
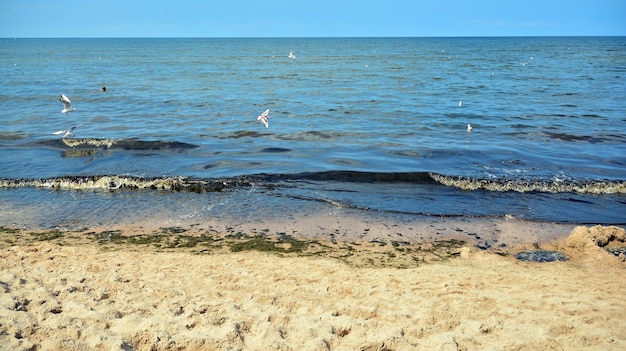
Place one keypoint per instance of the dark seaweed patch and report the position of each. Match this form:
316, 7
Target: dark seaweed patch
8, 230
173, 230
284, 244
359, 254
108, 236
49, 235
164, 238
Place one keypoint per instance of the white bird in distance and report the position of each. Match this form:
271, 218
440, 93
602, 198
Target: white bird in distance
263, 118
67, 104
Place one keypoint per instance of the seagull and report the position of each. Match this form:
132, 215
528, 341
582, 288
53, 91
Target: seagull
67, 104
469, 128
460, 103
292, 55
263, 118
65, 133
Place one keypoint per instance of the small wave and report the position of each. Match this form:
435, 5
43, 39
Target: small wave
523, 186
115, 182
182, 183
112, 182
275, 150
12, 136
244, 134
576, 138
128, 144
349, 176
314, 135
592, 139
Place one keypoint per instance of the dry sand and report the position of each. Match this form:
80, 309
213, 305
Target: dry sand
64, 293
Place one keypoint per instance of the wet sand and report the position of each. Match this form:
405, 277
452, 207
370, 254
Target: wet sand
137, 288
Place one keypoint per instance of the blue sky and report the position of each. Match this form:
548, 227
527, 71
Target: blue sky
310, 18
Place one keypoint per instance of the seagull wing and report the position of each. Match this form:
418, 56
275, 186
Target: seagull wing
66, 102
65, 132
265, 122
265, 113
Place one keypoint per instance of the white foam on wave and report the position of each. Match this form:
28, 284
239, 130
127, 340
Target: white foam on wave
523, 186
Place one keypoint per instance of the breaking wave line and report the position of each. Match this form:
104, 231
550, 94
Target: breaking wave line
523, 186
115, 182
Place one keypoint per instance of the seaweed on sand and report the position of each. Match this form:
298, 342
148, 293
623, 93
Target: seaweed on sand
284, 244
106, 236
7, 230
48, 236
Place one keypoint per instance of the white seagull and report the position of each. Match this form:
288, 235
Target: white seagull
263, 118
67, 104
292, 55
65, 133
469, 128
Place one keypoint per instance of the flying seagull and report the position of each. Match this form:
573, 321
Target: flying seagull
65, 133
263, 118
67, 104
292, 55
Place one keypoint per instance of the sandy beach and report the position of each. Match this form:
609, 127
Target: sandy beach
113, 290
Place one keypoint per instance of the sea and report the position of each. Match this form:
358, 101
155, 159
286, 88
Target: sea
363, 133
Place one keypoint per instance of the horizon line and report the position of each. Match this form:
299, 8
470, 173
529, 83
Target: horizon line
323, 37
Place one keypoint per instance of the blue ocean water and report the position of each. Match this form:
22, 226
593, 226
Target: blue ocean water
370, 125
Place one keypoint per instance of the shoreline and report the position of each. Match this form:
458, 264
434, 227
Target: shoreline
116, 289
199, 241
332, 226
396, 245
377, 246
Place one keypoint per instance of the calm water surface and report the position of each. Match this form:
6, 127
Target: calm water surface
372, 127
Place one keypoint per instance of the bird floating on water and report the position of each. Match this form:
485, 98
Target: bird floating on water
292, 55
65, 133
469, 128
460, 103
67, 104
263, 118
